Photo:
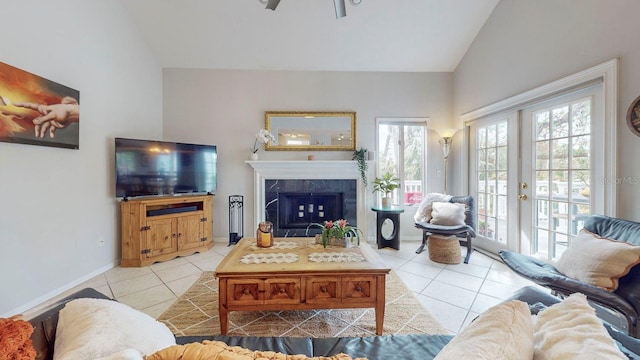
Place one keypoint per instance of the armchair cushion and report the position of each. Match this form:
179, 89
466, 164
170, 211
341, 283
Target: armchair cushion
446, 213
443, 229
423, 213
597, 260
623, 230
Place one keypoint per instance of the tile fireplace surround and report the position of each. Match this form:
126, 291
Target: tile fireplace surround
307, 170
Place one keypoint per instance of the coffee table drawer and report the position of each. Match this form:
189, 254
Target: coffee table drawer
268, 291
322, 289
282, 291
358, 289
245, 291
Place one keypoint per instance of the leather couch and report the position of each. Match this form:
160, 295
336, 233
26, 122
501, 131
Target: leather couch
375, 347
625, 300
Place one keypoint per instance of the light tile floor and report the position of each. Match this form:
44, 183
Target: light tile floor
455, 294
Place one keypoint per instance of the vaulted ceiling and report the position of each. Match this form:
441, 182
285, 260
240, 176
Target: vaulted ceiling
376, 35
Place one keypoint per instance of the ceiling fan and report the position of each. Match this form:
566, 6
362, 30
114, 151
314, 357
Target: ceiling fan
339, 5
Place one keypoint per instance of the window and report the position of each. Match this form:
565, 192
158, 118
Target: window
402, 152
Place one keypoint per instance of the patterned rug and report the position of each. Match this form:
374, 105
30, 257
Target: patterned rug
196, 313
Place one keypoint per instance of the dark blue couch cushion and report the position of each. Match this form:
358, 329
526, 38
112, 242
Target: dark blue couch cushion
386, 347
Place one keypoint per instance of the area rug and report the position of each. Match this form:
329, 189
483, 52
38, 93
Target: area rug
196, 313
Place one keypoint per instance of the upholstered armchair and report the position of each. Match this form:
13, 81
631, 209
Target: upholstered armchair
625, 300
464, 231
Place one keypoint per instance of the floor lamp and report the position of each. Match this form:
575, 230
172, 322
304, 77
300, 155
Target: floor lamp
445, 142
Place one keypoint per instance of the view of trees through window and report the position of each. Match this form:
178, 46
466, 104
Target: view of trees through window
492, 160
563, 174
401, 149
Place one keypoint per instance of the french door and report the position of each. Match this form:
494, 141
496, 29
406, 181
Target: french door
493, 178
532, 171
562, 156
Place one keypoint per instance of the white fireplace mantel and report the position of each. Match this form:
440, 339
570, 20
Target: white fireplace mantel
306, 169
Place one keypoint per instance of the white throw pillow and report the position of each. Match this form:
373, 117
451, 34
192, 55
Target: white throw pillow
446, 213
571, 330
423, 213
505, 331
95, 328
598, 261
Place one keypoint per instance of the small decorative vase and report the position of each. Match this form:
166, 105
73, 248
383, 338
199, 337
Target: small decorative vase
254, 156
386, 202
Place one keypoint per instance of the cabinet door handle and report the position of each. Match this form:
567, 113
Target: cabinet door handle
358, 288
323, 289
173, 235
246, 291
179, 234
282, 290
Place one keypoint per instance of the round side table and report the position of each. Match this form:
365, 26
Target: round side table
388, 226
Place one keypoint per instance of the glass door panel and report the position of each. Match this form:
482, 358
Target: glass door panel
494, 142
559, 144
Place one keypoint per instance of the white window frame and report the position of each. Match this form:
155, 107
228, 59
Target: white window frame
405, 121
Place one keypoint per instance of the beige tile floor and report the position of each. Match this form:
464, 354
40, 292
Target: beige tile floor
455, 294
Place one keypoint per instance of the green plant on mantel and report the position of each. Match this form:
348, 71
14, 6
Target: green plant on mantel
360, 156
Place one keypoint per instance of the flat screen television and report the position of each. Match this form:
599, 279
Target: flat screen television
149, 167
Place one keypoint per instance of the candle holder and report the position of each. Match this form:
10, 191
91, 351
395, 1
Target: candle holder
264, 234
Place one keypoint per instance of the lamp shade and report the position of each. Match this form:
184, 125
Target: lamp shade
447, 132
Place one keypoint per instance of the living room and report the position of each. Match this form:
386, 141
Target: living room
60, 216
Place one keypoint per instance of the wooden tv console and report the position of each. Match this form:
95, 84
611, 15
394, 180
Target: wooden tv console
162, 228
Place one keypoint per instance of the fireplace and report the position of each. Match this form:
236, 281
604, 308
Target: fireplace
299, 210
294, 204
295, 184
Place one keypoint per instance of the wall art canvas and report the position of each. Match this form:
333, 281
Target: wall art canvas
37, 111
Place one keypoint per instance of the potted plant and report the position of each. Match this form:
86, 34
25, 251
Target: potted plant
337, 232
385, 185
263, 136
360, 156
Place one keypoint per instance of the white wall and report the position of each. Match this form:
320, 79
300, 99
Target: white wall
526, 43
57, 204
226, 108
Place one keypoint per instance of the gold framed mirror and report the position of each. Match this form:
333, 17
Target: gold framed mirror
307, 131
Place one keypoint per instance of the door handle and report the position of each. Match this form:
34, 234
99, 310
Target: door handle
523, 197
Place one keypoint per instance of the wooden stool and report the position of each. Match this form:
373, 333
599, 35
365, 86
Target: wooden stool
444, 249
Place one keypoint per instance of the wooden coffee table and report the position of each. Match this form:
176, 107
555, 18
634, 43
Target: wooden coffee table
297, 274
